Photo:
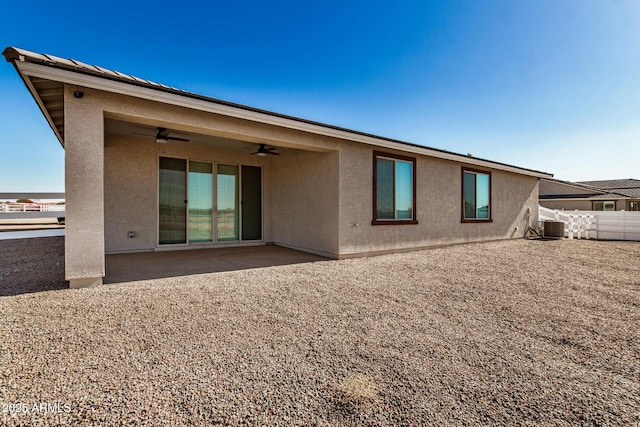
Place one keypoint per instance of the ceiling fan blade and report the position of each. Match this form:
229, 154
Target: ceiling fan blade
175, 138
142, 134
273, 153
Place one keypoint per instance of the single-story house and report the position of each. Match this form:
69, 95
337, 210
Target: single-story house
606, 195
149, 167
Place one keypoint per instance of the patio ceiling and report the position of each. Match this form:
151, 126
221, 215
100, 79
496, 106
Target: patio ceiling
132, 129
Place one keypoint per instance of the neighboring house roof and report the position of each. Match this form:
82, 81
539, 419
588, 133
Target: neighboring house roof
576, 190
613, 183
601, 190
625, 187
39, 84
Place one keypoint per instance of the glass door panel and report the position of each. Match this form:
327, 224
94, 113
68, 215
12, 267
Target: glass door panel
251, 203
172, 201
200, 202
227, 200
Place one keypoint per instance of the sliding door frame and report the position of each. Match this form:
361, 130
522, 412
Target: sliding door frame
214, 217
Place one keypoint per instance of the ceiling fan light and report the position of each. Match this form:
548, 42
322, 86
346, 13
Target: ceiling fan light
261, 153
162, 140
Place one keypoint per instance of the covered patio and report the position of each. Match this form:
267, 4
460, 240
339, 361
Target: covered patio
153, 265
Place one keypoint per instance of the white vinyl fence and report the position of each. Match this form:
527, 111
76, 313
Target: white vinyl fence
610, 225
617, 225
10, 209
30, 207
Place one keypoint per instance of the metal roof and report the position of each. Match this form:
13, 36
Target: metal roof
53, 108
624, 187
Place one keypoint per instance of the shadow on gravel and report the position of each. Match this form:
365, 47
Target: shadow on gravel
31, 265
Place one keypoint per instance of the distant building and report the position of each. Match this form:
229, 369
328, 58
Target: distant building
607, 195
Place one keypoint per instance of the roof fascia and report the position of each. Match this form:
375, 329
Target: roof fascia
94, 82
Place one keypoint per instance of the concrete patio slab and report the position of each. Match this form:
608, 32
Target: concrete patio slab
154, 265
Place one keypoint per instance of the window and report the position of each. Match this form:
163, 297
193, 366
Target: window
608, 205
476, 196
394, 189
634, 206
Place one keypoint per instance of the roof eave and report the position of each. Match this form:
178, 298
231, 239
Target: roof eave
15, 56
42, 67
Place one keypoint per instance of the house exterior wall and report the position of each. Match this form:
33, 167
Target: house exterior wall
84, 160
131, 187
438, 206
305, 202
318, 197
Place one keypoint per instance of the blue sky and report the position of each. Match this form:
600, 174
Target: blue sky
547, 85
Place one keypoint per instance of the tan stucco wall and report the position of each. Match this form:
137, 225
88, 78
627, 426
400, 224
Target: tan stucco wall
438, 206
305, 201
314, 196
131, 182
84, 241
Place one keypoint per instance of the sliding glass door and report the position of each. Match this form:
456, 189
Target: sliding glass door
228, 202
251, 203
172, 201
187, 191
200, 202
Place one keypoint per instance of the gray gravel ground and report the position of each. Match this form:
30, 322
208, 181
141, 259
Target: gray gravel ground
504, 333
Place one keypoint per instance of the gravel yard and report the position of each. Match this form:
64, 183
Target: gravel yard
514, 332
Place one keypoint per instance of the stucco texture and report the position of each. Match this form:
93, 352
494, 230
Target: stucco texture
438, 206
317, 195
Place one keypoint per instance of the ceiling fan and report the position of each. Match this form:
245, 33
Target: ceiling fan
263, 151
162, 137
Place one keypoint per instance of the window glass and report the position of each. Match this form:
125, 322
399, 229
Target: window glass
385, 189
604, 206
251, 202
228, 201
482, 196
476, 197
404, 190
200, 202
469, 191
172, 201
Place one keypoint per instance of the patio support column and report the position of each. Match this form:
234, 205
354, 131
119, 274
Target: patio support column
84, 189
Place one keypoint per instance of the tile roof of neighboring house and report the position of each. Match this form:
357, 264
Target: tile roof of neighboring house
604, 190
14, 55
624, 187
613, 183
